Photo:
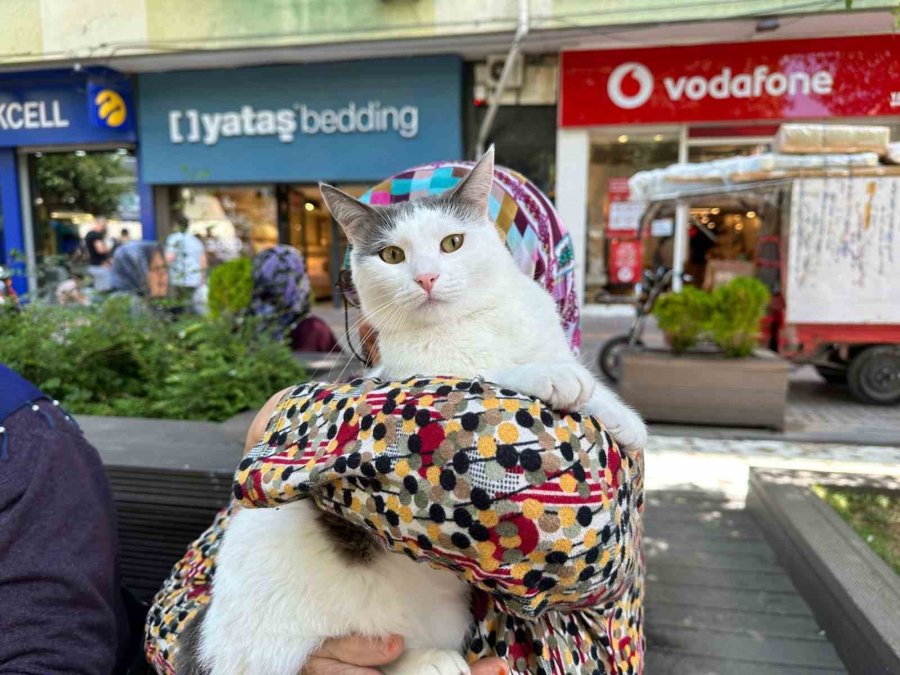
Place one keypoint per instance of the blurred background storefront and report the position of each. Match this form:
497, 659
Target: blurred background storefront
67, 157
624, 111
230, 149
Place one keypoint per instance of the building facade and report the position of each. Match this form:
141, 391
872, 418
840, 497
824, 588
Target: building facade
623, 111
82, 116
230, 149
241, 107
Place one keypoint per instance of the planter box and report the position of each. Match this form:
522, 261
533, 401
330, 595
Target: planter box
697, 388
854, 595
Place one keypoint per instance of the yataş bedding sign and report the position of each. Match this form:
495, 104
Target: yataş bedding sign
209, 128
347, 121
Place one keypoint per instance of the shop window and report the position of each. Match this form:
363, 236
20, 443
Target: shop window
222, 216
312, 231
70, 192
613, 252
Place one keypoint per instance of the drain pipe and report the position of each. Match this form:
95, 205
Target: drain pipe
514, 49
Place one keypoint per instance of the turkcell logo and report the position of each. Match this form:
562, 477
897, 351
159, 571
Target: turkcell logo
109, 107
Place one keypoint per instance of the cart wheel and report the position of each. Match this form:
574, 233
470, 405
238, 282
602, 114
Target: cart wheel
874, 375
832, 375
610, 356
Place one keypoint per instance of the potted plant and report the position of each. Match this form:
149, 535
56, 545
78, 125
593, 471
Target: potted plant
714, 371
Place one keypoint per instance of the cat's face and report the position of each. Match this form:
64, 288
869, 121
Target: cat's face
422, 262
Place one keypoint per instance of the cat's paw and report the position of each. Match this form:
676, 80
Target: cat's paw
565, 386
623, 423
428, 662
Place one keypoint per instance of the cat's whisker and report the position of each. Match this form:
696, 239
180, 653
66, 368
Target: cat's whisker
362, 319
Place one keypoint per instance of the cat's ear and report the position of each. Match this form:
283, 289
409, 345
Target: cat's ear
475, 189
350, 213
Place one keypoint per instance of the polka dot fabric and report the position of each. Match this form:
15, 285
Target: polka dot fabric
539, 511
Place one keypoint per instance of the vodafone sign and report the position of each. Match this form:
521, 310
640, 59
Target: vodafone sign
834, 77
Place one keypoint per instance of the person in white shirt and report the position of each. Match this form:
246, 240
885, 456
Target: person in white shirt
186, 257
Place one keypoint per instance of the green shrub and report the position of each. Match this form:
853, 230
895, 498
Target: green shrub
739, 306
683, 317
112, 361
231, 287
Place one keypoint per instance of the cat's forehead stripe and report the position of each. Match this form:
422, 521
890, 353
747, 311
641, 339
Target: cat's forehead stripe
401, 214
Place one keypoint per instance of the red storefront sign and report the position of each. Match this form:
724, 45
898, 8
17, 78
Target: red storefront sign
624, 261
784, 79
617, 190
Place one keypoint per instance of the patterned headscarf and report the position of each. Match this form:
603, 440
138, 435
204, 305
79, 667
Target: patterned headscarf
280, 290
131, 267
525, 219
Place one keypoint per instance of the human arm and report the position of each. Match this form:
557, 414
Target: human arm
539, 509
352, 655
62, 606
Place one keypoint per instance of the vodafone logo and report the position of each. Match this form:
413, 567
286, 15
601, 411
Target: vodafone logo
631, 85
631, 70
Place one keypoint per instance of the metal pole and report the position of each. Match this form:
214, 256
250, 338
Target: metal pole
514, 49
682, 219
27, 224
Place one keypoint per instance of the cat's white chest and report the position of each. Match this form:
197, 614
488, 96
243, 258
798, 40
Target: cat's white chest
461, 351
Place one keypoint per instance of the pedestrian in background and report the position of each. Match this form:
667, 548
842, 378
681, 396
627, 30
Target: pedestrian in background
139, 270
186, 257
281, 294
98, 254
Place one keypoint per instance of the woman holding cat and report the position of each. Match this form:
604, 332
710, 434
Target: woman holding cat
537, 512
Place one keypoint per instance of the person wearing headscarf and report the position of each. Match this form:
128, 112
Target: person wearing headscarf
139, 270
61, 605
281, 294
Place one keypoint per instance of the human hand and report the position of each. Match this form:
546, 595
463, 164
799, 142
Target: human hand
356, 655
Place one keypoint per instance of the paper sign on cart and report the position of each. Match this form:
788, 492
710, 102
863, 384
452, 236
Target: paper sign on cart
844, 251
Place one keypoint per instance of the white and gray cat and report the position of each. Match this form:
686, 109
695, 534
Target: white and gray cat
446, 297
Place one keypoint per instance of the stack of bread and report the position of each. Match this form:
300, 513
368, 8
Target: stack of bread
799, 151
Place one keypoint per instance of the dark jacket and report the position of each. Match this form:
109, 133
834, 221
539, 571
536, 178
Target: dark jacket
61, 607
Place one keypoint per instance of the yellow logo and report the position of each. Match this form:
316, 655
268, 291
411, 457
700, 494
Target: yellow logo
111, 108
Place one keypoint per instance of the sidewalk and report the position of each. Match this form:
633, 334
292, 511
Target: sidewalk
718, 601
816, 412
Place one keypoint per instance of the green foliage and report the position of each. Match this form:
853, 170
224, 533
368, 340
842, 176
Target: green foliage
730, 316
874, 516
93, 183
683, 317
111, 360
231, 287
738, 308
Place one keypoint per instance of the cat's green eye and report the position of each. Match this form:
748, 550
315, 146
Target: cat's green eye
392, 255
452, 243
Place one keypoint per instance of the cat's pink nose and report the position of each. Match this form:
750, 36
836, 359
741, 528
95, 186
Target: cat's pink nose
426, 281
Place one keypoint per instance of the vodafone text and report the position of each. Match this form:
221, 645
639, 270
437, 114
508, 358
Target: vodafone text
725, 84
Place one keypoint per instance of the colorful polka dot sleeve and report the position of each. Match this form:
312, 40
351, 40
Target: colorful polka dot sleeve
539, 511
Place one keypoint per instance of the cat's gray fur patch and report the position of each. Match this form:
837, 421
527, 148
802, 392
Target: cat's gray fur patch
187, 656
353, 543
368, 227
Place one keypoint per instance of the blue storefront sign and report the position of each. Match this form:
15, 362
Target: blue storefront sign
299, 123
64, 107
52, 109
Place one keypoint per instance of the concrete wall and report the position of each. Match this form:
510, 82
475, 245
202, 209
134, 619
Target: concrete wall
34, 31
